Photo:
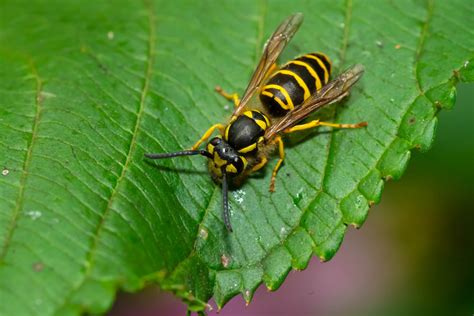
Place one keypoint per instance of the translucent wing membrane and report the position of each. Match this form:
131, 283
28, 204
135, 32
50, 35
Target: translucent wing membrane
273, 48
333, 92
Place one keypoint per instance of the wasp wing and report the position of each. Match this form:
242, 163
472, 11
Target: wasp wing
272, 49
333, 92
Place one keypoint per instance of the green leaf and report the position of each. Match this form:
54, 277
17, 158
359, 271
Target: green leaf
86, 88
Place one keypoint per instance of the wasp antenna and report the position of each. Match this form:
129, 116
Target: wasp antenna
225, 201
179, 153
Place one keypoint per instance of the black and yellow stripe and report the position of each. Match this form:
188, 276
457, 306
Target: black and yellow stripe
295, 82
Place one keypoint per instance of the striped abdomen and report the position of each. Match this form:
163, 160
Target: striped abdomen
295, 82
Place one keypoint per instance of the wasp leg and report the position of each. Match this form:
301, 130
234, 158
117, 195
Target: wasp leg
259, 165
208, 133
281, 151
317, 123
234, 96
229, 96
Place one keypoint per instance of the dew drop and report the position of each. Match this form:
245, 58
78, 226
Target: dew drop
247, 295
239, 196
297, 199
34, 215
282, 232
5, 171
359, 200
44, 95
466, 63
203, 233
110, 35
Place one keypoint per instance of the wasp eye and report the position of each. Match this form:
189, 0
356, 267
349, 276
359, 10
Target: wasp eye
216, 141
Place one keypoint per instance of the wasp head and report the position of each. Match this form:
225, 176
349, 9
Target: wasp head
224, 158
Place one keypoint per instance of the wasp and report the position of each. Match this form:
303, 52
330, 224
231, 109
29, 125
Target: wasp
287, 94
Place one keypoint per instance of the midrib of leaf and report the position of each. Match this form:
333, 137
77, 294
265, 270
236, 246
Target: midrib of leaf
131, 150
26, 166
342, 56
345, 38
262, 4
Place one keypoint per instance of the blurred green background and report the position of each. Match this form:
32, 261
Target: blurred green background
413, 256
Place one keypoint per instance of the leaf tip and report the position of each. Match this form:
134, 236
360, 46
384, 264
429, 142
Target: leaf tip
247, 295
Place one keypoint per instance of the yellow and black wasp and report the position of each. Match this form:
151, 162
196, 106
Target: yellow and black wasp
287, 96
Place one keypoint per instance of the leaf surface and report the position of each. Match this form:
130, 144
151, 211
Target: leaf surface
87, 88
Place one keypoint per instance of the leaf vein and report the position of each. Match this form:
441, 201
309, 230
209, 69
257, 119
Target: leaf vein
27, 162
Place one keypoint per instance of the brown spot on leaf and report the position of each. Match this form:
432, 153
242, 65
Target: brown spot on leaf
38, 266
225, 261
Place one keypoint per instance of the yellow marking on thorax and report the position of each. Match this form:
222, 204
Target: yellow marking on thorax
298, 79
264, 116
261, 123
248, 114
248, 148
226, 132
266, 120
244, 161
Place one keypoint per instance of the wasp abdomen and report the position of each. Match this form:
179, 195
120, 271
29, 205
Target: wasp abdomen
295, 82
245, 131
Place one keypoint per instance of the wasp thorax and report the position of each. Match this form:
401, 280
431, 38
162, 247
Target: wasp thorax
224, 158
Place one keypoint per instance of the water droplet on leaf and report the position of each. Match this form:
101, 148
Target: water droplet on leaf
34, 215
